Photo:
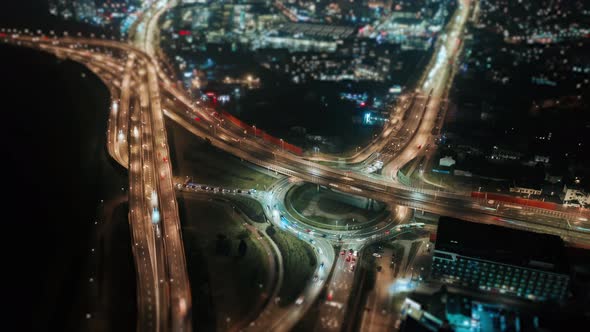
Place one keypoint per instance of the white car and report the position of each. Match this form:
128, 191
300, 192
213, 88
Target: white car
299, 300
376, 255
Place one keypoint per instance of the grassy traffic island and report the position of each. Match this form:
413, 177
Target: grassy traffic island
299, 262
195, 157
227, 265
327, 208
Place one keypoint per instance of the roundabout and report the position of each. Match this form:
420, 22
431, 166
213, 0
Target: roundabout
275, 201
326, 244
327, 208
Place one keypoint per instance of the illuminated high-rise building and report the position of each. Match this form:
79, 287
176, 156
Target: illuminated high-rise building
500, 260
84, 9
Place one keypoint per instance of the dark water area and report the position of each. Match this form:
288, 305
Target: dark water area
56, 171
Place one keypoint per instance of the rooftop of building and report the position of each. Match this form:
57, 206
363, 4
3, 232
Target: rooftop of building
316, 30
408, 20
577, 185
456, 306
501, 244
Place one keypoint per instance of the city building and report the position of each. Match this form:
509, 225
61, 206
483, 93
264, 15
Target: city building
526, 189
504, 154
575, 196
446, 161
500, 260
412, 25
85, 9
353, 60
62, 8
299, 37
118, 13
541, 159
453, 310
552, 176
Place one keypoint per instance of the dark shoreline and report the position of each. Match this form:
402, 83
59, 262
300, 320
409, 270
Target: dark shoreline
58, 170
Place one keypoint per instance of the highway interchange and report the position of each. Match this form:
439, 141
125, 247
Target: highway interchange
143, 93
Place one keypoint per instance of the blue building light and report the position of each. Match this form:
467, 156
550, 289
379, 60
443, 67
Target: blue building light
367, 119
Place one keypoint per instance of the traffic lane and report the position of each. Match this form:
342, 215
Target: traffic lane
338, 291
276, 318
400, 215
286, 318
178, 281
377, 315
303, 174
148, 300
457, 207
265, 241
433, 200
439, 72
421, 136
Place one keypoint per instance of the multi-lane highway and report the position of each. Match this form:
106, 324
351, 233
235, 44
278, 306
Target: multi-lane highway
434, 83
339, 285
377, 315
170, 297
137, 139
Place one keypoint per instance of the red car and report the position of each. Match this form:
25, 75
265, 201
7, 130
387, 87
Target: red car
348, 258
419, 146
